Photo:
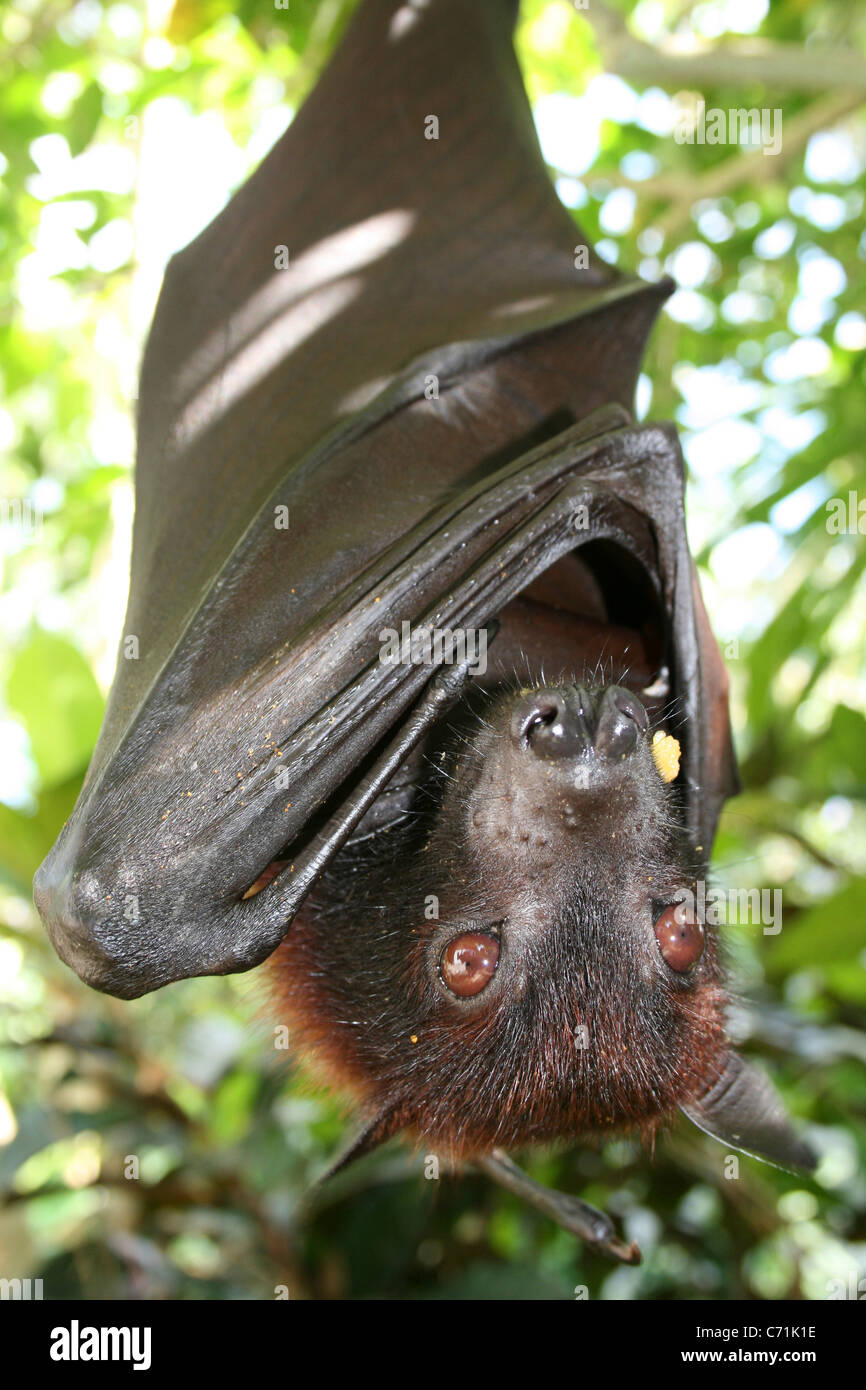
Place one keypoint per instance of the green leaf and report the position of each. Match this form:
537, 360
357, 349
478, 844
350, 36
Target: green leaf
26, 838
53, 690
829, 934
84, 118
835, 763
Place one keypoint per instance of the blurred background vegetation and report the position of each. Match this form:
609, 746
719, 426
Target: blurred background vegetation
123, 129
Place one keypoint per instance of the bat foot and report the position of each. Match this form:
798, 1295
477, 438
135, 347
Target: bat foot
584, 1221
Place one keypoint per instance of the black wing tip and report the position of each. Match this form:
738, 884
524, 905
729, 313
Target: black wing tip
377, 1132
780, 1146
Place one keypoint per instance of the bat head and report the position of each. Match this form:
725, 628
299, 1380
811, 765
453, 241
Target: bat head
518, 962
509, 951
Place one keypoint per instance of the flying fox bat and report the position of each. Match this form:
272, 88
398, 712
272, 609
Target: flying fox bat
384, 413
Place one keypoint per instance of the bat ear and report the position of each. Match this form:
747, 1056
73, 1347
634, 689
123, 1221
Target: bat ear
743, 1110
379, 1130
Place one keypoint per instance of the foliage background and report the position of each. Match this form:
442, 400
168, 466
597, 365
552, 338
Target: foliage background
123, 127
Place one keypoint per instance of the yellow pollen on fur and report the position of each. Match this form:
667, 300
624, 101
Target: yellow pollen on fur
666, 755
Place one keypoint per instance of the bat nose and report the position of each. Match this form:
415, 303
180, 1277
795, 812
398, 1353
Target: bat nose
572, 721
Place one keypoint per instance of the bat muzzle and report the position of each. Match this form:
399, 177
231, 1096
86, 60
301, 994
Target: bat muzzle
575, 722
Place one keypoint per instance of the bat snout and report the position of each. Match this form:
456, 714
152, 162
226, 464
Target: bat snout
560, 763
573, 722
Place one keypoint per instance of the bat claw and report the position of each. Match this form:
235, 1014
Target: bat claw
628, 1254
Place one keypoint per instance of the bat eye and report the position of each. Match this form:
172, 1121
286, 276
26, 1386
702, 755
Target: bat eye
468, 963
680, 936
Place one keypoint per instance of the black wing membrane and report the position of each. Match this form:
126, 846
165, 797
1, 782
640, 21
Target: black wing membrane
401, 425
742, 1110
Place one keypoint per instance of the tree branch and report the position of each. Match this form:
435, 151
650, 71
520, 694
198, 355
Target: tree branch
679, 62
750, 166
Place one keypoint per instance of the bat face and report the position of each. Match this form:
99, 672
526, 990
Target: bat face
508, 964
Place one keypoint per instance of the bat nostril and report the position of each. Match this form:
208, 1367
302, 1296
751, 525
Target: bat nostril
630, 706
622, 719
538, 715
544, 716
